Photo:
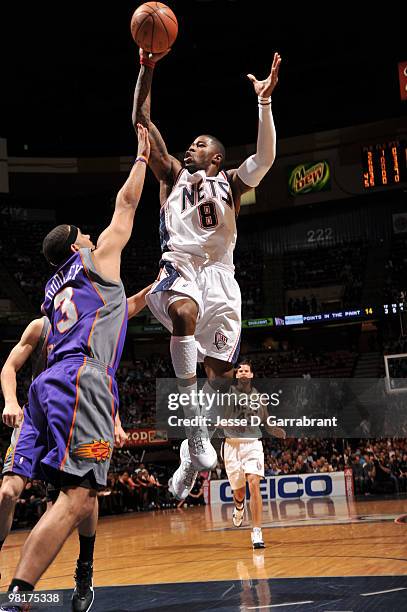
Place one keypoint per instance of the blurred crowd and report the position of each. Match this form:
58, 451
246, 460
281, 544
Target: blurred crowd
337, 265
379, 466
343, 265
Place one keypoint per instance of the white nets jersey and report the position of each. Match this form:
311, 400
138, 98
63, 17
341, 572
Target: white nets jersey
245, 406
198, 218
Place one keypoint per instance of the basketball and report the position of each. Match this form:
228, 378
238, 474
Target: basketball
154, 27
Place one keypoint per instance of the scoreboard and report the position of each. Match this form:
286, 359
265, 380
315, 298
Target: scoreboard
384, 164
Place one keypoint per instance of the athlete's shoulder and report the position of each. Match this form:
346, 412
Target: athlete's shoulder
33, 331
224, 175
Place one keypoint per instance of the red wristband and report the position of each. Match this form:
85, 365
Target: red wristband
144, 61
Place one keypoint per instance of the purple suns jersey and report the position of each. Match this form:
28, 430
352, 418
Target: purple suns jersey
88, 313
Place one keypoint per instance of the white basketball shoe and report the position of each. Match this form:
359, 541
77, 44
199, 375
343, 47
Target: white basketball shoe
184, 477
202, 454
238, 515
257, 538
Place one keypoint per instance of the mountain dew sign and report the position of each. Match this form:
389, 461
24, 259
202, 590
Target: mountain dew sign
309, 177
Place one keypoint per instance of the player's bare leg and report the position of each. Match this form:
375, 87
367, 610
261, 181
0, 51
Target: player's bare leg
71, 508
216, 370
87, 527
256, 509
238, 511
220, 377
11, 489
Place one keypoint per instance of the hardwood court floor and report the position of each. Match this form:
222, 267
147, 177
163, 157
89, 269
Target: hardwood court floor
326, 537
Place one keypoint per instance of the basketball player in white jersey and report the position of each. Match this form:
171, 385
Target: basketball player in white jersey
196, 295
243, 453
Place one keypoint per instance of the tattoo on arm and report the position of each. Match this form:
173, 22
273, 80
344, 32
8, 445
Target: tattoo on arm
162, 164
142, 97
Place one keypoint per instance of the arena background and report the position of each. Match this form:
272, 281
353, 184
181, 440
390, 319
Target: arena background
321, 256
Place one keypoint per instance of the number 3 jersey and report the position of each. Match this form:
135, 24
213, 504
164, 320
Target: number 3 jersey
199, 219
88, 313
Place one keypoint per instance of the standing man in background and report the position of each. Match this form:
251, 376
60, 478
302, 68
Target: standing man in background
243, 452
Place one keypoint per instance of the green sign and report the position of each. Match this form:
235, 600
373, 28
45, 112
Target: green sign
307, 178
139, 330
248, 323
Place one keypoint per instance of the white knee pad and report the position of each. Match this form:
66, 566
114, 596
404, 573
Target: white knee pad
184, 355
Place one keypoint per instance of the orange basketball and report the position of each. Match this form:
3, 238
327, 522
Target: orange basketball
154, 27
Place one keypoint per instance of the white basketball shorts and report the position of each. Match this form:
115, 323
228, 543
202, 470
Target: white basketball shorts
242, 456
214, 288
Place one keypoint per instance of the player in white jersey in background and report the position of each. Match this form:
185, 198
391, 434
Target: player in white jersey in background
196, 296
243, 453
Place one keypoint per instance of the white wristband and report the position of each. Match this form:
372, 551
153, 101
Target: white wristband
253, 169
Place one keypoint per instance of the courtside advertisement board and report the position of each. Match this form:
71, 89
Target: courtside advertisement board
293, 486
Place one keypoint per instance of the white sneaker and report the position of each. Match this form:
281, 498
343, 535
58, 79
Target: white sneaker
257, 538
201, 452
184, 477
237, 516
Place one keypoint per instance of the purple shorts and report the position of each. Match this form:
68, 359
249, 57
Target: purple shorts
19, 455
73, 406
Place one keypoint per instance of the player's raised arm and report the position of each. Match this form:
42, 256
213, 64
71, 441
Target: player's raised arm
252, 170
12, 413
114, 238
164, 166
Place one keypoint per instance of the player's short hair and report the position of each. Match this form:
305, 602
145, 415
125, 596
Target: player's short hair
56, 245
219, 145
245, 362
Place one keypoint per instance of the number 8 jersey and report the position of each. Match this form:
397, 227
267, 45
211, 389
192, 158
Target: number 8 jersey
88, 313
198, 218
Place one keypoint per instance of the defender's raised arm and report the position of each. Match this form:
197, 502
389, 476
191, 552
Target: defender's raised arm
114, 238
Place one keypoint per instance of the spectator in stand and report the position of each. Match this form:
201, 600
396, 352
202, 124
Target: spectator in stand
358, 474
144, 488
384, 480
110, 498
368, 471
196, 496
403, 473
300, 466
394, 465
128, 488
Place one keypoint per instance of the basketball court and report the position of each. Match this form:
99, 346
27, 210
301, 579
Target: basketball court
329, 554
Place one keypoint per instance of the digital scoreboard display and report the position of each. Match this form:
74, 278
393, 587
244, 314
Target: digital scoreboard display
365, 313
384, 164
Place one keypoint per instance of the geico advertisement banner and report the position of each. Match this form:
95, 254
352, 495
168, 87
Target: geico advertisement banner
295, 486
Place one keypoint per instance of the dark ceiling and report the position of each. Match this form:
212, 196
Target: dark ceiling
68, 72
